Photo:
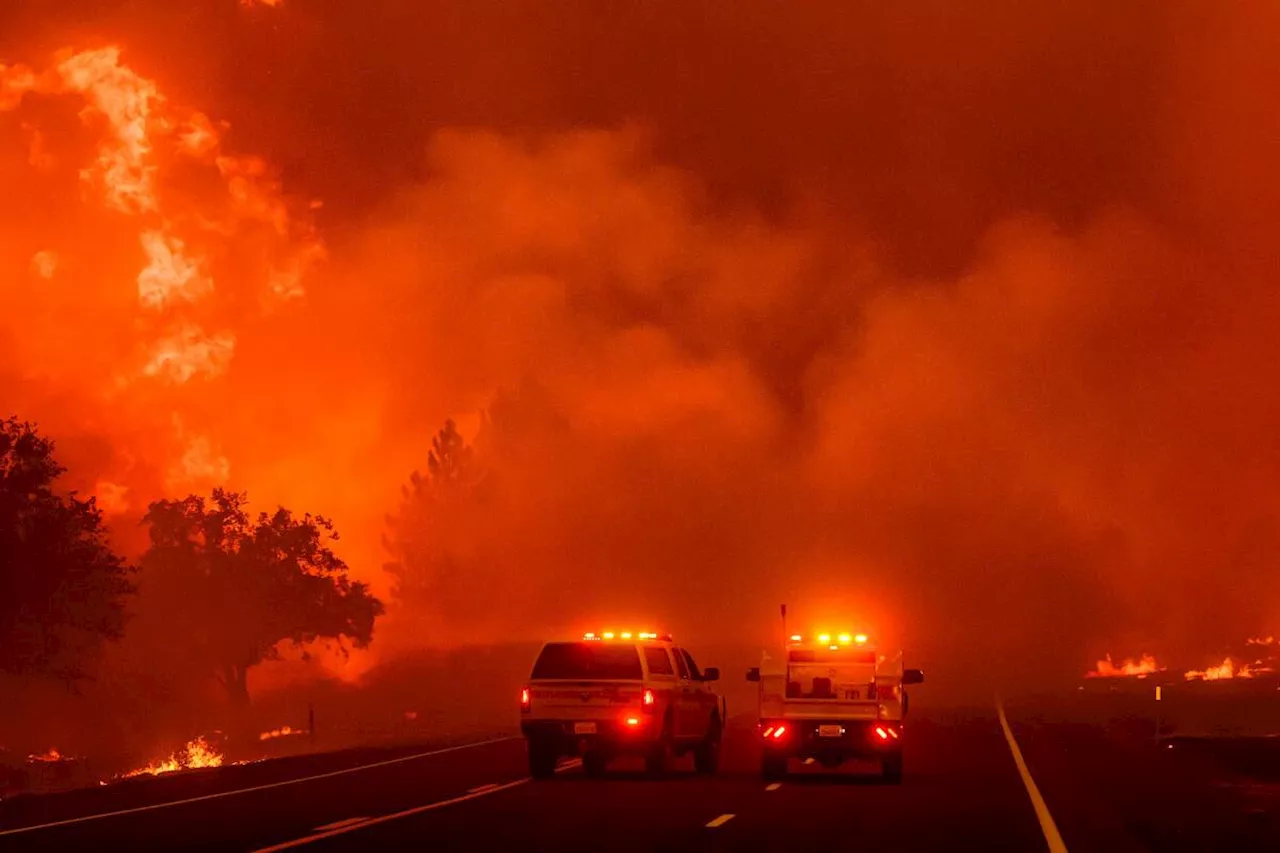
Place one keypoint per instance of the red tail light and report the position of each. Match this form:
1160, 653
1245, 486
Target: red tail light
648, 700
779, 732
525, 704
882, 733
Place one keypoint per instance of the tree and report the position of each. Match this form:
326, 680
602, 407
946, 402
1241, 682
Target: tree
426, 538
62, 588
236, 589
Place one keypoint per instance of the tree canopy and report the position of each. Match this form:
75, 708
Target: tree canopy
62, 588
237, 588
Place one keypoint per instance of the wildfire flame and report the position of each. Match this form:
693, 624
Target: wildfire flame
44, 264
203, 219
51, 755
197, 753
1141, 668
1227, 670
283, 731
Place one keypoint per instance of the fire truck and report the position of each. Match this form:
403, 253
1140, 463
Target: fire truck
832, 697
616, 693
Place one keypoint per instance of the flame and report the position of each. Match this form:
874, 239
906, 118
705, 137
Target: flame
15, 82
1141, 668
112, 498
44, 264
249, 4
188, 352
1227, 670
283, 731
1260, 641
51, 755
197, 753
126, 101
170, 274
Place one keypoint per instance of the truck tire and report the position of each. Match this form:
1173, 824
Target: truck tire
773, 767
594, 763
657, 761
542, 759
892, 766
706, 757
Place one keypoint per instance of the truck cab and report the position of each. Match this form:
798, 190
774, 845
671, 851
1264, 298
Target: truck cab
615, 693
832, 697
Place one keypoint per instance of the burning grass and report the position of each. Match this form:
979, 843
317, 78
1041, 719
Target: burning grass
197, 753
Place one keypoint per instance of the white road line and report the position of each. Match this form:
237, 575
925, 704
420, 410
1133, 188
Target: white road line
720, 821
298, 842
773, 786
269, 786
1050, 829
474, 793
338, 824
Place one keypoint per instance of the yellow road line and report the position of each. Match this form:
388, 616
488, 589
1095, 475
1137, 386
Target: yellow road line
1050, 829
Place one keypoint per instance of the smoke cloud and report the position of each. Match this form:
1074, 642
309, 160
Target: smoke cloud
956, 323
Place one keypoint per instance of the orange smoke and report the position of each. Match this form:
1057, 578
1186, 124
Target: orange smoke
1141, 668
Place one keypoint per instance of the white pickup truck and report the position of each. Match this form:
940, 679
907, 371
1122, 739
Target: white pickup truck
618, 693
832, 698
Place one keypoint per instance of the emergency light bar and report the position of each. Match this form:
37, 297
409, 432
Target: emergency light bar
842, 639
626, 635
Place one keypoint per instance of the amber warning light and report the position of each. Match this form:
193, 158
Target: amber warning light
625, 635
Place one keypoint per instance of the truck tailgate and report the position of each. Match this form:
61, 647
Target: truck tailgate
826, 709
556, 699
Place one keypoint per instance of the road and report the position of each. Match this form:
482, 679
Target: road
963, 790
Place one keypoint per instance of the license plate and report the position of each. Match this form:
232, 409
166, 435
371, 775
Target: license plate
829, 731
584, 728
853, 695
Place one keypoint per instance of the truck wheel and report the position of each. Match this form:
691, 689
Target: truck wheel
706, 758
593, 763
773, 767
657, 761
542, 759
893, 768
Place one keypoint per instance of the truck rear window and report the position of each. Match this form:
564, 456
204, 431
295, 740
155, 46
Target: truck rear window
588, 661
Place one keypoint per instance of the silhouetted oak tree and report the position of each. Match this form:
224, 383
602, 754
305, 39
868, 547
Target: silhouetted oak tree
62, 589
235, 589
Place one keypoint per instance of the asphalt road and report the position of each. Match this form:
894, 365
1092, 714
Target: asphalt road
1102, 789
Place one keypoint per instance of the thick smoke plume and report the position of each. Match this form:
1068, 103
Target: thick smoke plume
954, 322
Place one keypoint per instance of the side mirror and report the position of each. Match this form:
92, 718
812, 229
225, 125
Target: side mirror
711, 673
753, 674
912, 676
